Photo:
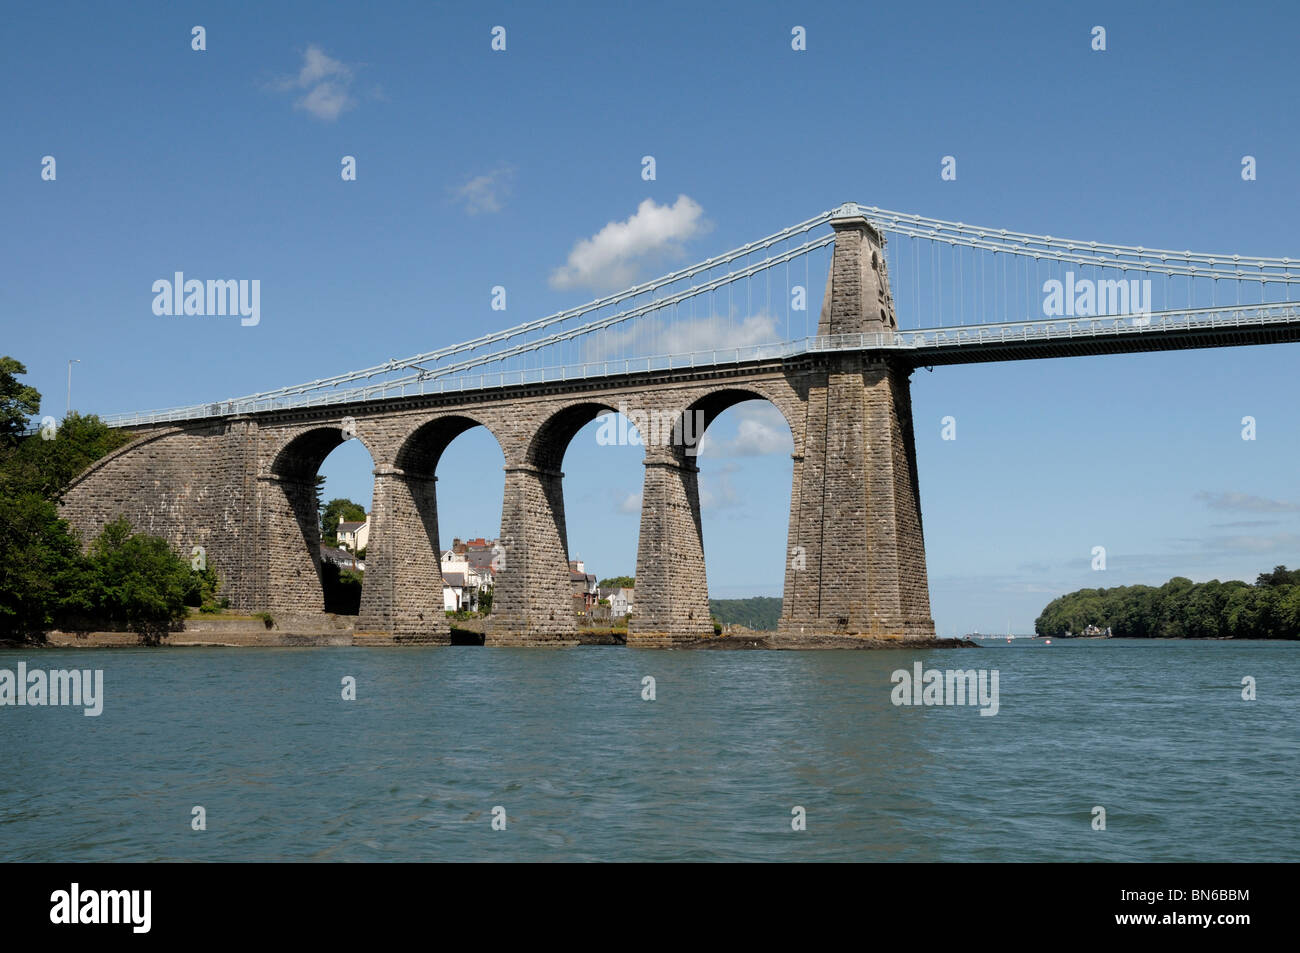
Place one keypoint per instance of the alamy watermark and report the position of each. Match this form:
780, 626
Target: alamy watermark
57, 687
953, 687
651, 428
129, 907
1088, 298
180, 296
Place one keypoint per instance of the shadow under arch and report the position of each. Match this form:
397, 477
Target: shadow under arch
672, 599
547, 448
424, 446
294, 576
696, 418
546, 452
404, 583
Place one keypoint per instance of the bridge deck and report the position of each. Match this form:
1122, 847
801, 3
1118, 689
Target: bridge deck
927, 347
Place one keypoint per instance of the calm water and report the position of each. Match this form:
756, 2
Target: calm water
1157, 733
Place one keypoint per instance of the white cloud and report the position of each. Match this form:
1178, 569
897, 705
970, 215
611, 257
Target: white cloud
755, 438
1244, 501
486, 193
326, 101
317, 65
615, 256
718, 332
630, 504
1278, 543
328, 84
650, 335
718, 493
760, 430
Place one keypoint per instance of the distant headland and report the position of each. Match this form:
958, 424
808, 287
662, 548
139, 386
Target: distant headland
1181, 609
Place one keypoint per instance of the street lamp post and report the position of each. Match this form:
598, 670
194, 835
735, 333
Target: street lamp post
75, 360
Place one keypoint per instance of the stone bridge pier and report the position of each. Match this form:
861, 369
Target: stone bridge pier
672, 593
402, 592
243, 488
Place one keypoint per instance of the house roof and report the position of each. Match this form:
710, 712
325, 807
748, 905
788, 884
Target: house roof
480, 558
350, 527
341, 556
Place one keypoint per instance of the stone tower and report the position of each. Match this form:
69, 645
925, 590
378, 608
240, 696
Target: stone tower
856, 558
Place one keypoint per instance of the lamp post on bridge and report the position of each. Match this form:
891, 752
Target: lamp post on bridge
75, 360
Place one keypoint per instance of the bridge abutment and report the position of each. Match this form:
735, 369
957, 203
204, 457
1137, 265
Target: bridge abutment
290, 541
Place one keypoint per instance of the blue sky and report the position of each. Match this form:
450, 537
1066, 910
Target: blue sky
226, 163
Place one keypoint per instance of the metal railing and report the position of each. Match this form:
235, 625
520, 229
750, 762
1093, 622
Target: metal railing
917, 342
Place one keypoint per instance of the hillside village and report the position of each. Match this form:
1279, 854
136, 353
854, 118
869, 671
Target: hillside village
469, 572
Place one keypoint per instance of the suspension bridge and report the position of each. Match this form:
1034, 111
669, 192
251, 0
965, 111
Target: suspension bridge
971, 294
900, 291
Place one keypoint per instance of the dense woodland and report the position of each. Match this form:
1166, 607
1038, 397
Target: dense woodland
1182, 609
759, 612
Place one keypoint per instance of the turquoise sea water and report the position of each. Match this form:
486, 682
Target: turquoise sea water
1157, 733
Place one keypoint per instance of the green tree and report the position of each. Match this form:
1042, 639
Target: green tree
1183, 609
318, 491
47, 467
756, 612
204, 584
336, 511
1203, 615
138, 580
1288, 613
1280, 576
1134, 613
18, 401
40, 564
617, 582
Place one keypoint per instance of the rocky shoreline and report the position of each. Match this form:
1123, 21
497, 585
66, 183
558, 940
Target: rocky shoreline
254, 632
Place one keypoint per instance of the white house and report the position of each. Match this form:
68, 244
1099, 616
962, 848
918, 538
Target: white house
620, 600
354, 536
461, 582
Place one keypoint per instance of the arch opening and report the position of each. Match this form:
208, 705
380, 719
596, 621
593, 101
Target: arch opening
324, 480
745, 469
601, 447
446, 509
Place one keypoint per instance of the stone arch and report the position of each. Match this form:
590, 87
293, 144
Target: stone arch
290, 520
672, 603
303, 451
534, 597
546, 448
424, 445
403, 594
713, 403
